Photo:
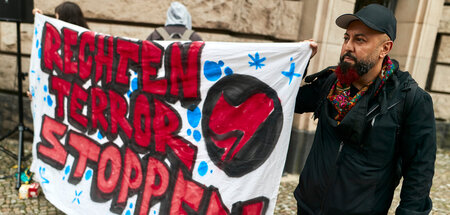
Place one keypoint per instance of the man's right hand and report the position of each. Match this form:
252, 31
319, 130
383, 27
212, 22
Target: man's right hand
313, 46
36, 10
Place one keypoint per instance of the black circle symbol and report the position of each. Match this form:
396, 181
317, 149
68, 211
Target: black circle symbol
241, 123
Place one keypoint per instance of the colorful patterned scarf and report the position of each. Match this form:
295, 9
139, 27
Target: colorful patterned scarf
340, 97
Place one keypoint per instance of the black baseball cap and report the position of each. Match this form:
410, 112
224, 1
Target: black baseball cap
374, 16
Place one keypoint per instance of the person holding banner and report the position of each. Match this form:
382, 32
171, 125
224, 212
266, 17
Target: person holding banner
68, 12
375, 126
178, 25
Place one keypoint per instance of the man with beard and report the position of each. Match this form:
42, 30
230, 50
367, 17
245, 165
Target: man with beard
375, 126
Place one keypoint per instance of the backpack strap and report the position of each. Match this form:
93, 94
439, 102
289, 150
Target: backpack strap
187, 34
324, 91
163, 33
409, 97
410, 88
175, 36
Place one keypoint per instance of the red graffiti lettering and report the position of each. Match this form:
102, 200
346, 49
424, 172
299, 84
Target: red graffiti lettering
142, 121
104, 59
215, 206
187, 192
132, 176
151, 62
70, 40
185, 78
119, 110
85, 55
61, 88
84, 150
256, 206
50, 149
75, 108
51, 44
166, 124
156, 183
99, 103
128, 51
253, 209
109, 169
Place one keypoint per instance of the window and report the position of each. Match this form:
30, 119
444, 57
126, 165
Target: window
439, 75
391, 4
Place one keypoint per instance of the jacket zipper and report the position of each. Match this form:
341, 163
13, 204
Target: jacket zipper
341, 145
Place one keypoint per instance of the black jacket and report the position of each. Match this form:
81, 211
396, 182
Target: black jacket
354, 167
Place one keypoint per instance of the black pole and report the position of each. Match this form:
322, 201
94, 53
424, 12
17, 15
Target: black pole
20, 126
17, 9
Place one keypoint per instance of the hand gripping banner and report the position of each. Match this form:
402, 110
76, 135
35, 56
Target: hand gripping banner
125, 126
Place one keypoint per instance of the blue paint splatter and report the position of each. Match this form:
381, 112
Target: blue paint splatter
39, 78
32, 92
99, 135
32, 71
212, 70
88, 175
189, 132
41, 173
128, 211
228, 71
39, 52
49, 101
211, 171
76, 197
66, 171
202, 168
134, 84
35, 31
291, 72
194, 117
257, 62
37, 43
154, 212
197, 135
45, 98
129, 93
45, 88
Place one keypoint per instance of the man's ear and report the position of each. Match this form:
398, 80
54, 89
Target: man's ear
386, 47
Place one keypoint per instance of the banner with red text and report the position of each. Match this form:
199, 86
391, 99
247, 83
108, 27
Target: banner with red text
125, 126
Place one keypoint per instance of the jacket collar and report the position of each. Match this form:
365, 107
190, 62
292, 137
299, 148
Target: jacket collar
351, 128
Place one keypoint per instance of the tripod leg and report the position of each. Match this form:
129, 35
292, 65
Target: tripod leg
5, 150
29, 130
19, 155
8, 134
19, 87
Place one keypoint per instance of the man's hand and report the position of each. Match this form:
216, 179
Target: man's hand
36, 10
313, 46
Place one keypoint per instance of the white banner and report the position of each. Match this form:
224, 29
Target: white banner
125, 126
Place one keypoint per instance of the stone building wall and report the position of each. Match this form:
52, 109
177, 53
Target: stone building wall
214, 20
441, 80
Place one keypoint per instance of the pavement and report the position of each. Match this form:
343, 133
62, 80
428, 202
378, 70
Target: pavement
11, 204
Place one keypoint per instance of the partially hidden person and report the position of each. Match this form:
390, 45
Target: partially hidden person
178, 25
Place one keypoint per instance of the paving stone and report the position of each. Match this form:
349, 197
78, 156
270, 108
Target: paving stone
286, 204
